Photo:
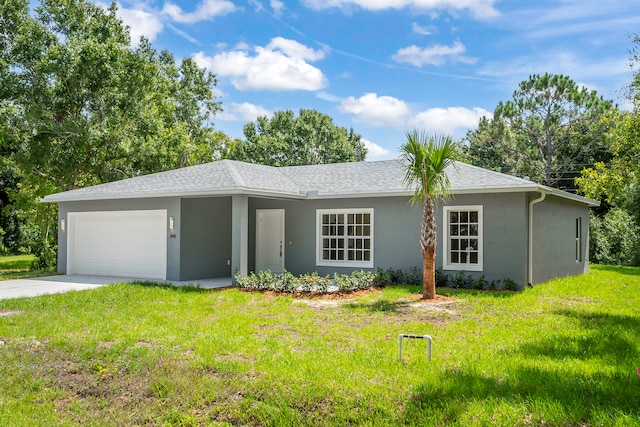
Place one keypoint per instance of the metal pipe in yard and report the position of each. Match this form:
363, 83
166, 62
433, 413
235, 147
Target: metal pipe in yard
411, 336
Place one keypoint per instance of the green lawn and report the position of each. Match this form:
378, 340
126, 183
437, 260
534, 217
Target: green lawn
19, 267
565, 353
13, 263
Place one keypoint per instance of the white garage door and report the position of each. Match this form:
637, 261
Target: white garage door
122, 243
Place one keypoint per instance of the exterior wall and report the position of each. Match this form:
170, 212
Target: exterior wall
206, 238
172, 205
504, 235
397, 231
554, 250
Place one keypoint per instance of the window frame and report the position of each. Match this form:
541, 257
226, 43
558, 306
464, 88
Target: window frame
344, 263
446, 256
579, 239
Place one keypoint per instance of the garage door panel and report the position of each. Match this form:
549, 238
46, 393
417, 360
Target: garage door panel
125, 243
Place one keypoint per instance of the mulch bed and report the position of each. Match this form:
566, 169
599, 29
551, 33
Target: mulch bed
349, 295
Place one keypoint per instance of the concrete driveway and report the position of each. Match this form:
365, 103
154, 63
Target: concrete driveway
20, 288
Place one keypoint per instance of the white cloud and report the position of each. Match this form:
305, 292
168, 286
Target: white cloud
587, 86
325, 96
423, 30
480, 8
434, 55
140, 22
207, 9
281, 65
604, 75
450, 120
597, 20
242, 46
277, 7
557, 62
294, 49
250, 112
376, 110
243, 111
258, 6
376, 152
184, 34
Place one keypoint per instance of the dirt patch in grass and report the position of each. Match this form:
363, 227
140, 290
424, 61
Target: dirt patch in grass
407, 310
9, 313
346, 296
412, 308
414, 301
438, 299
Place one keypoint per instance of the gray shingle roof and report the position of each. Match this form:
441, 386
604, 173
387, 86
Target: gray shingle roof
315, 181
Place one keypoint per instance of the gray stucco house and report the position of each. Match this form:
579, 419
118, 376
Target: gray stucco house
220, 218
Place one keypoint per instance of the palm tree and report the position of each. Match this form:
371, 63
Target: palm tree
426, 157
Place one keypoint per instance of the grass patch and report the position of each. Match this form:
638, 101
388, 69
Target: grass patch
563, 353
19, 267
15, 262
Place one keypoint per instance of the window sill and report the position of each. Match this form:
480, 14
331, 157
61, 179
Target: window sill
462, 267
349, 264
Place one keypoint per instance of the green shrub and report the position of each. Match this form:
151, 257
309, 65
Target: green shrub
383, 277
398, 276
615, 238
313, 283
441, 278
481, 283
46, 256
462, 281
307, 283
497, 285
356, 281
510, 284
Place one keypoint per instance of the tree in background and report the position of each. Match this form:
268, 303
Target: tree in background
548, 131
11, 222
616, 183
80, 106
615, 229
309, 139
176, 127
90, 107
426, 159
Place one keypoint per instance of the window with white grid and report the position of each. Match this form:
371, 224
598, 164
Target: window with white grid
462, 238
344, 237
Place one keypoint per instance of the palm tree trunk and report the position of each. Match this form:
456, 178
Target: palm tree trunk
429, 274
428, 239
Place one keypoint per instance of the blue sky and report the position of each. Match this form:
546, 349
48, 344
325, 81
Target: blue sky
387, 66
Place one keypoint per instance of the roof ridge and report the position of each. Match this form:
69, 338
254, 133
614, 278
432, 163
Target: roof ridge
239, 179
235, 174
497, 173
280, 171
361, 162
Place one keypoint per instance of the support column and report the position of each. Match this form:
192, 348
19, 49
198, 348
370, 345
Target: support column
239, 234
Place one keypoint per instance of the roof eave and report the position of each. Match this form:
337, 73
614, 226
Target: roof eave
216, 193
575, 197
313, 195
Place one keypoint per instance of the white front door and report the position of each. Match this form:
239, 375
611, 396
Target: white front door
270, 240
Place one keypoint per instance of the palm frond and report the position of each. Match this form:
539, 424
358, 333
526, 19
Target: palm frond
426, 158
